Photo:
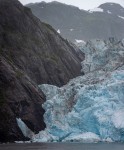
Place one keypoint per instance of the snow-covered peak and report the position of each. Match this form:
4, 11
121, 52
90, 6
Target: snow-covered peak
113, 8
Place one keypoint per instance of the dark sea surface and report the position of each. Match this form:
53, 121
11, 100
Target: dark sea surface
63, 146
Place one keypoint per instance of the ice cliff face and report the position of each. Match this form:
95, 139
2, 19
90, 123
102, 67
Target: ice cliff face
105, 55
89, 108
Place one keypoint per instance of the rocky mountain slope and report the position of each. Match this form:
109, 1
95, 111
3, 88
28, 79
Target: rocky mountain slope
31, 53
89, 108
74, 24
113, 8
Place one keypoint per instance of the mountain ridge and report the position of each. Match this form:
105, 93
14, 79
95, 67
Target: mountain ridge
80, 24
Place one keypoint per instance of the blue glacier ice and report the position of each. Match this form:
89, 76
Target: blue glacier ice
23, 127
89, 108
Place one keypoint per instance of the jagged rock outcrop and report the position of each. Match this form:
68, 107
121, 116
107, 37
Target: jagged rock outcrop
75, 24
31, 53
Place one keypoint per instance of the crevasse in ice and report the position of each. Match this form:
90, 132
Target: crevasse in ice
89, 108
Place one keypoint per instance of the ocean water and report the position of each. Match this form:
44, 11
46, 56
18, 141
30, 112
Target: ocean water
63, 146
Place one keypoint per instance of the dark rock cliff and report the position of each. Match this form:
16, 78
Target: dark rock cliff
35, 47
19, 98
31, 53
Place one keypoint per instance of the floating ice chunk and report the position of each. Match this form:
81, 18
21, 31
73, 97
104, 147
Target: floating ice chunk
23, 127
21, 142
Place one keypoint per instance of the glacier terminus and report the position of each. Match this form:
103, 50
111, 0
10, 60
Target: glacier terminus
90, 108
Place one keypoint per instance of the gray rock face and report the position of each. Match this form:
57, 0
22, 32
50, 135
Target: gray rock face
79, 24
31, 53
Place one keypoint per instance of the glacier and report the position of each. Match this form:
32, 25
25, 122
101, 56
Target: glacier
89, 108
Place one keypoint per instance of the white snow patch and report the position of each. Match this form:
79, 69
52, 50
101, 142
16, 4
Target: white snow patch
109, 12
121, 17
79, 41
59, 31
97, 9
71, 29
23, 127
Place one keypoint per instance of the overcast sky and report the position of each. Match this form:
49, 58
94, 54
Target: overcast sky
83, 4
